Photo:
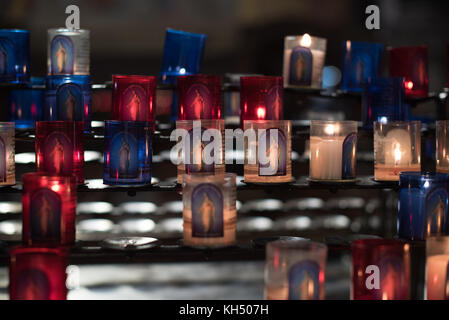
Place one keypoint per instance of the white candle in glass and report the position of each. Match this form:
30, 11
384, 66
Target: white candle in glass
326, 154
436, 283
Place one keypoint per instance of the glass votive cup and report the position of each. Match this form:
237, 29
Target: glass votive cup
380, 269
397, 148
410, 63
423, 205
437, 262
183, 54
333, 150
26, 105
442, 146
60, 148
48, 209
261, 98
68, 98
383, 101
267, 145
295, 270
14, 55
133, 98
7, 153
360, 64
37, 273
68, 51
304, 61
128, 152
209, 210
199, 97
193, 156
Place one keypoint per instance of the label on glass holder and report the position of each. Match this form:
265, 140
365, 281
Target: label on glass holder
58, 154
3, 161
273, 100
207, 211
69, 102
196, 161
45, 215
436, 211
124, 162
301, 66
348, 161
134, 103
275, 153
198, 102
7, 60
62, 55
303, 281
32, 284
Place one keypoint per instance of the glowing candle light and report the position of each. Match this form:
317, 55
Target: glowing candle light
14, 55
437, 267
7, 153
333, 148
303, 61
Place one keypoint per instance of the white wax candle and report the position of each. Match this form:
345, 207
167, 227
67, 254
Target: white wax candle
326, 157
397, 148
436, 282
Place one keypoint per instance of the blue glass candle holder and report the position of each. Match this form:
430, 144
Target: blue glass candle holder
128, 153
423, 205
25, 105
383, 101
360, 64
14, 55
68, 97
183, 54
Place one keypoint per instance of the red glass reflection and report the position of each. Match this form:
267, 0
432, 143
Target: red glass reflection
261, 98
133, 97
49, 205
60, 148
199, 97
411, 63
380, 270
37, 273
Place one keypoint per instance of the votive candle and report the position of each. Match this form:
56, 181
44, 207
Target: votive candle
7, 153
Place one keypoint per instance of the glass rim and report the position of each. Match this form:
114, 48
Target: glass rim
68, 76
222, 121
60, 123
187, 33
204, 76
228, 177
427, 175
297, 244
377, 243
411, 122
261, 78
286, 122
65, 30
15, 30
296, 36
407, 48
133, 76
365, 43
129, 122
52, 177
49, 250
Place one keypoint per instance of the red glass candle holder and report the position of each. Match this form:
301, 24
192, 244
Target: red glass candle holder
411, 63
49, 205
380, 270
133, 98
261, 98
60, 149
199, 97
37, 273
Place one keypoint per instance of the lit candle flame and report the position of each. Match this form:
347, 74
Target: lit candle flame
397, 153
306, 40
331, 129
409, 85
261, 113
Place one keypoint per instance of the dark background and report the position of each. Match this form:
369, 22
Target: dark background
243, 35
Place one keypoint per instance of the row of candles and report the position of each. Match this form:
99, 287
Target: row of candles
68, 82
